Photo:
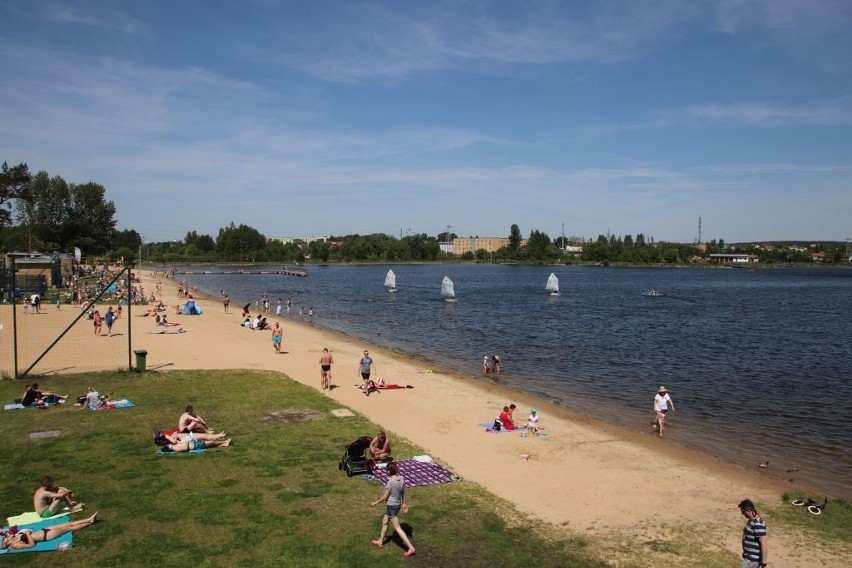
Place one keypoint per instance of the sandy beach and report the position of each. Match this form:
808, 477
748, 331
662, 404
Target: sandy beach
585, 475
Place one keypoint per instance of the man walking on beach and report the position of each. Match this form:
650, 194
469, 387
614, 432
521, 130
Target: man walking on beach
755, 547
109, 319
226, 301
277, 334
365, 367
326, 361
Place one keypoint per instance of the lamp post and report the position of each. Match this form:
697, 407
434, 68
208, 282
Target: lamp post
129, 265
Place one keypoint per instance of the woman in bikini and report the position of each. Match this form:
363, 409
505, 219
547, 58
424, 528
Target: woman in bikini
27, 538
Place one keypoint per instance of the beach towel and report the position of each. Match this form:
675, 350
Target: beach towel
489, 427
417, 473
123, 403
31, 517
160, 452
49, 545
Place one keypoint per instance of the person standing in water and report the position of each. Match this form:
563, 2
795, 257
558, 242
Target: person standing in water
662, 401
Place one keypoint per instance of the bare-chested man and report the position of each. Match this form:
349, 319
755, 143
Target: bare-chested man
326, 361
48, 500
189, 421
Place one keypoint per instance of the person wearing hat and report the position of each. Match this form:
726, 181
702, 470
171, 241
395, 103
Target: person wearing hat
662, 401
532, 422
755, 547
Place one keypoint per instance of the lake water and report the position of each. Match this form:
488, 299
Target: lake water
758, 363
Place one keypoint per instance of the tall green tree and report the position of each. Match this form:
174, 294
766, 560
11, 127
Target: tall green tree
514, 240
12, 181
92, 219
240, 243
44, 207
129, 239
540, 247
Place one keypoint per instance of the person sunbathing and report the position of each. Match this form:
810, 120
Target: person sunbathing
27, 538
163, 438
178, 447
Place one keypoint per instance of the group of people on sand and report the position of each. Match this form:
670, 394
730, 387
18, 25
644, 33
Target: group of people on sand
506, 421
48, 500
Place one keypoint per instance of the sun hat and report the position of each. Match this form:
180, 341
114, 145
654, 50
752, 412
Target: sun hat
662, 389
532, 410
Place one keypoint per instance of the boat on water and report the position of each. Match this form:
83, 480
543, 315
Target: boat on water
448, 290
651, 292
390, 281
552, 286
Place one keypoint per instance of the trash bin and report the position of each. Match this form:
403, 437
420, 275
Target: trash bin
141, 354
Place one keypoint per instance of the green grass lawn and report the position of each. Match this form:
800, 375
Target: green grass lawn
275, 498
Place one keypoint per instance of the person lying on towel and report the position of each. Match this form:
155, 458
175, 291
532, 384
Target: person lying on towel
27, 538
173, 444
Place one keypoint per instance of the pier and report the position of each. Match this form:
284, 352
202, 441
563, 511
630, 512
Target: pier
284, 271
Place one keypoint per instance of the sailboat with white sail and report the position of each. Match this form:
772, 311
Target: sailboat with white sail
552, 286
448, 290
390, 281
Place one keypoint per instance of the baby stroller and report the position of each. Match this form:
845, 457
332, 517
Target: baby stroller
354, 460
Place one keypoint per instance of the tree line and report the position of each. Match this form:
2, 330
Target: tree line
46, 213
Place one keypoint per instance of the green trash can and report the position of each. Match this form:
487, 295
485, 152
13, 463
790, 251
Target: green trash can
141, 354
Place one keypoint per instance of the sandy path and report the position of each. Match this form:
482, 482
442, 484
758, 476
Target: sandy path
588, 475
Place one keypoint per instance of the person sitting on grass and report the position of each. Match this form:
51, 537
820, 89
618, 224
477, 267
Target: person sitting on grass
35, 397
27, 538
189, 421
380, 448
93, 399
49, 500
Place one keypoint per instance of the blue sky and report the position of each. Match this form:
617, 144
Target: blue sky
337, 117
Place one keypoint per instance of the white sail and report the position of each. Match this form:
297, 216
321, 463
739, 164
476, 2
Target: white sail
447, 289
552, 284
390, 281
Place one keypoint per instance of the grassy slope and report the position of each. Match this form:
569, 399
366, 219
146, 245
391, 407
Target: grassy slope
275, 498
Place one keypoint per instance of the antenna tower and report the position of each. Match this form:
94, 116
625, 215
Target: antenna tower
699, 231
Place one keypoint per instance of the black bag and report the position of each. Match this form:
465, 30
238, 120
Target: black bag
498, 425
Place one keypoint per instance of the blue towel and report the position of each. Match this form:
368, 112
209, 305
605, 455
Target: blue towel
48, 545
162, 453
490, 427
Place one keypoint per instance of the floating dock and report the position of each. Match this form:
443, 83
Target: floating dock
284, 272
